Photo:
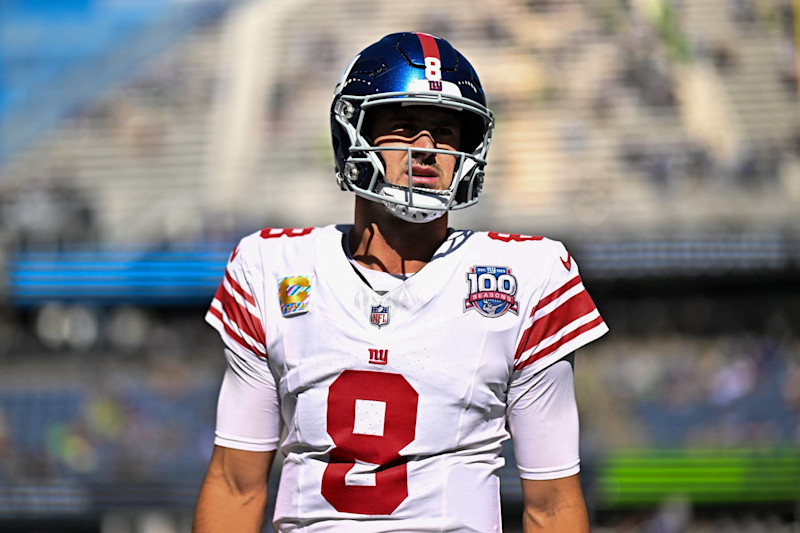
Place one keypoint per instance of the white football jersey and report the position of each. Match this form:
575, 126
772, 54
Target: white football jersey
395, 405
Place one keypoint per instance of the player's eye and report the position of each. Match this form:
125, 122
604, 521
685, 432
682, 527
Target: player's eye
405, 128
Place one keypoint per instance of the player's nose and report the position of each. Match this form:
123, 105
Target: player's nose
423, 139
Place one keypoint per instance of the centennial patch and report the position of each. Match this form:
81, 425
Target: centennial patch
491, 291
294, 293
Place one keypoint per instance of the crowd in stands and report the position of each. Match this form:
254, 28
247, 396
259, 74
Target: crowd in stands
674, 391
614, 60
49, 212
107, 419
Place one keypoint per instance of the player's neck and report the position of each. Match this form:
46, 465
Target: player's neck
381, 241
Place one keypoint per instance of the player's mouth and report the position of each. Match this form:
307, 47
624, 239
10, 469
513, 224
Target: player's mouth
423, 176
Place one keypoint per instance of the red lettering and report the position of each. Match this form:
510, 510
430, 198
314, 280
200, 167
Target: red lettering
508, 237
271, 233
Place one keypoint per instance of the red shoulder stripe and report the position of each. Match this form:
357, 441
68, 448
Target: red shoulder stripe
525, 341
562, 341
240, 315
231, 333
579, 305
238, 288
556, 293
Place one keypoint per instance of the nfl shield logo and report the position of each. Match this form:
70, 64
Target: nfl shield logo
379, 316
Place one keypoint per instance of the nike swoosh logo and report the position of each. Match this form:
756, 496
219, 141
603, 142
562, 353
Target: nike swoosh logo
568, 263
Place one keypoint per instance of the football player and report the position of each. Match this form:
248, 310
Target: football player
389, 359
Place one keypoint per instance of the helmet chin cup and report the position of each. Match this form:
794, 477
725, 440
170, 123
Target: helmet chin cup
413, 206
412, 214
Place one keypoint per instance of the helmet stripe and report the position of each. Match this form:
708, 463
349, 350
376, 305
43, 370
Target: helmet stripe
429, 46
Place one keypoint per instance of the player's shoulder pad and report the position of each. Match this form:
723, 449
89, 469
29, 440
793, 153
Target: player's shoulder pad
519, 242
281, 237
532, 247
512, 237
284, 233
252, 247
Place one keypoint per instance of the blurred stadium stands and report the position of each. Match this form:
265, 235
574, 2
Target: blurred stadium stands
659, 139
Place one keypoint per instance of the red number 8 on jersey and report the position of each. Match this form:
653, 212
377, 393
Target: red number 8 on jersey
356, 401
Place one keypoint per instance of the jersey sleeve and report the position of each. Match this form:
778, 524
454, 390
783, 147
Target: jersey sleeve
235, 312
248, 409
562, 319
543, 422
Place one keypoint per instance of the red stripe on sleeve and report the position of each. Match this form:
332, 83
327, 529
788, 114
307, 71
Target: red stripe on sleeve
561, 342
429, 46
239, 315
556, 293
238, 288
579, 305
525, 341
220, 292
230, 331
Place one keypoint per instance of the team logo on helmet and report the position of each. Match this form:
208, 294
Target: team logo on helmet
491, 291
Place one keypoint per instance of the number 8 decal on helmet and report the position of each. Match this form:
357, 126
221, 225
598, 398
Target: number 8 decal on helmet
371, 417
433, 69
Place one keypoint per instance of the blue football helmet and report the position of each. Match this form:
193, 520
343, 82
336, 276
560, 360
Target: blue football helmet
409, 69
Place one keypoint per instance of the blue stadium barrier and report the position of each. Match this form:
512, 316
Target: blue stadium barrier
190, 275
116, 277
